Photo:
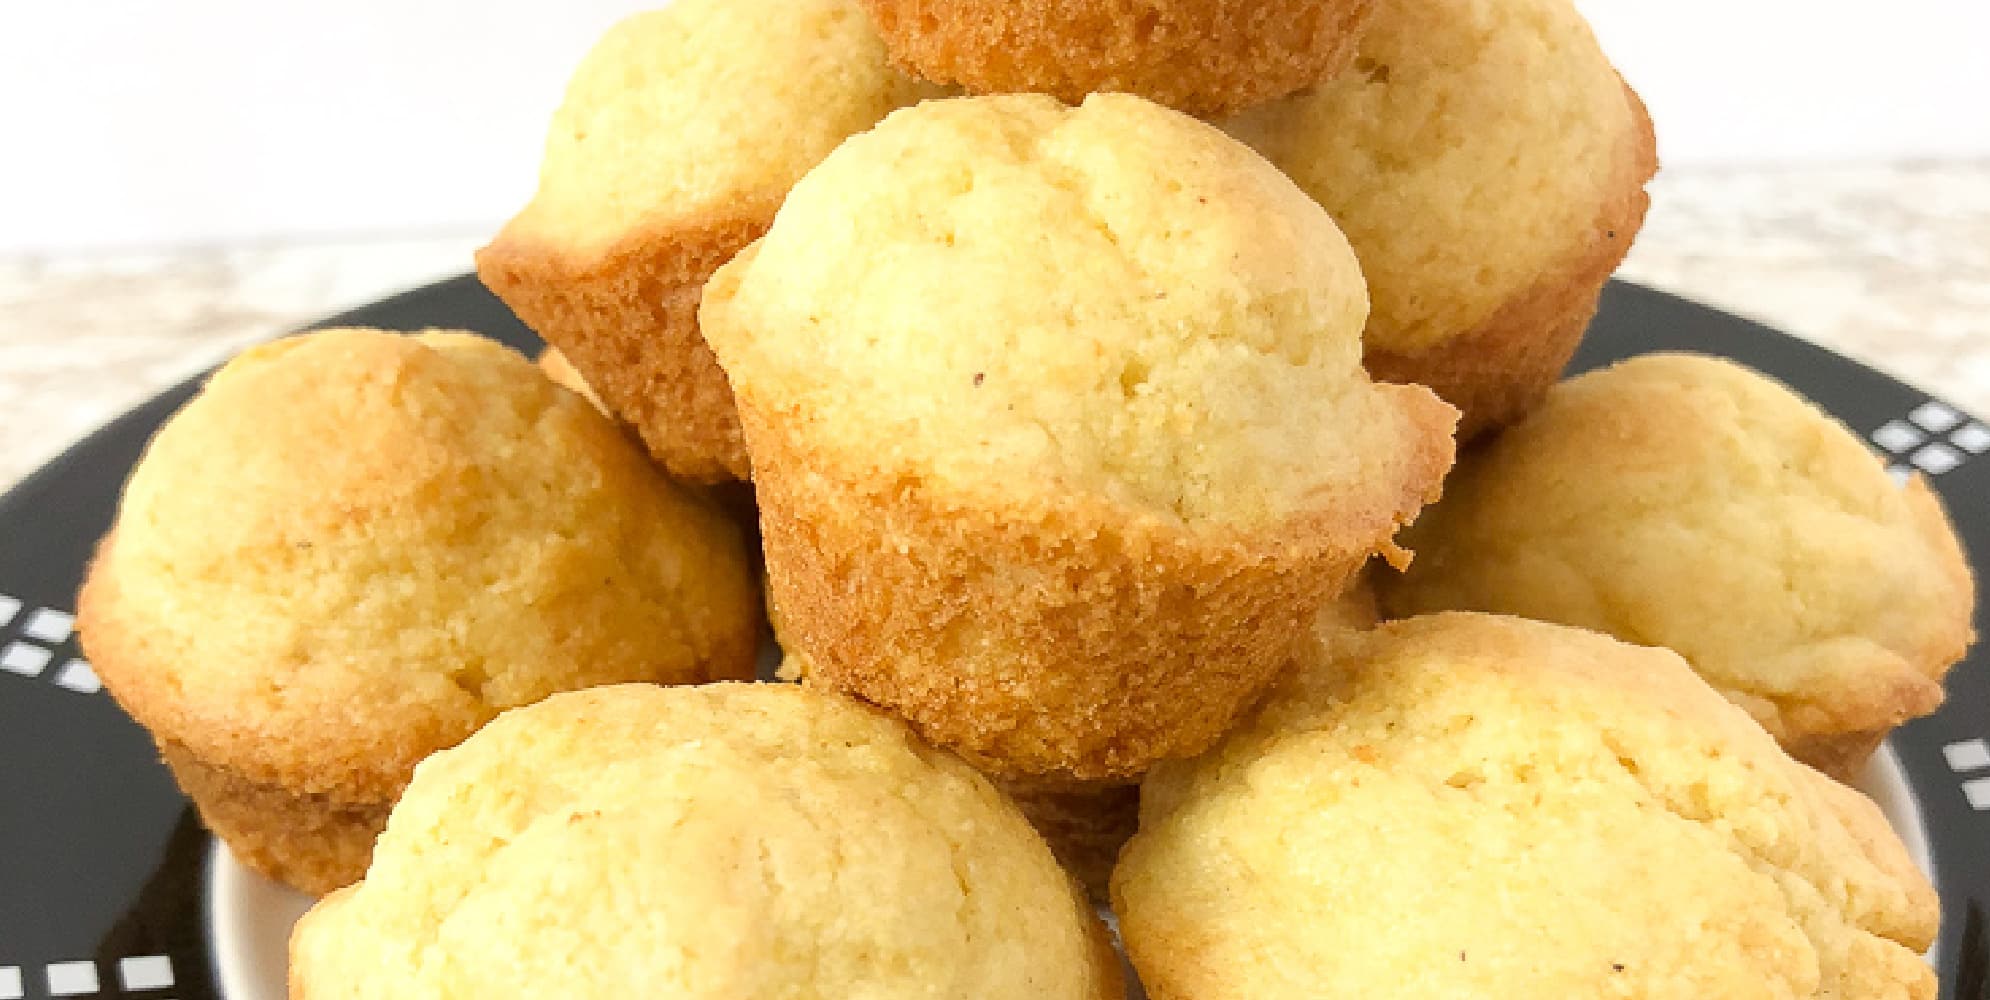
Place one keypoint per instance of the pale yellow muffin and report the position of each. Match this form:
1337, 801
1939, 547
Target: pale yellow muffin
1476, 806
731, 841
1688, 502
1202, 56
563, 373
1488, 165
354, 547
1059, 427
680, 134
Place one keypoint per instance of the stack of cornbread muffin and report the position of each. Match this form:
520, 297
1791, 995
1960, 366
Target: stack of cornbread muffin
1085, 436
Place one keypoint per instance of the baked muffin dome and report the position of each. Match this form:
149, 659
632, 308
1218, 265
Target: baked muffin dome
1134, 305
1488, 165
680, 134
1059, 426
1202, 56
1470, 805
1688, 502
728, 841
355, 547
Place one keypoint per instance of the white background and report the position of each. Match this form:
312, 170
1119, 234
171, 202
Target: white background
135, 123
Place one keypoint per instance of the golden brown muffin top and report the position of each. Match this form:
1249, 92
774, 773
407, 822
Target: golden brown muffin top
706, 109
1688, 502
354, 547
1466, 155
1019, 300
1471, 805
729, 841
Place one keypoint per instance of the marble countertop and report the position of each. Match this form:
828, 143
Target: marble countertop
1889, 264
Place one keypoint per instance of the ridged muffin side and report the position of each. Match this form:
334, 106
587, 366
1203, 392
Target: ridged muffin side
1199, 56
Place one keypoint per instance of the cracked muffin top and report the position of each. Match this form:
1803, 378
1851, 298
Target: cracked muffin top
1474, 805
354, 547
731, 841
1017, 299
1688, 502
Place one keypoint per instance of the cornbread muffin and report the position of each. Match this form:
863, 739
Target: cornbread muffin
1488, 165
732, 841
1202, 56
1690, 503
1059, 427
1476, 806
679, 136
556, 367
354, 547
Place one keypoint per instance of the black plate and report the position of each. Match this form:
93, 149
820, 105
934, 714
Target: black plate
102, 867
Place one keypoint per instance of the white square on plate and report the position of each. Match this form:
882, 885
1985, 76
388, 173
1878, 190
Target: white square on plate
145, 972
1977, 791
1936, 459
49, 625
10, 983
1935, 417
77, 675
72, 979
24, 658
1898, 436
1967, 755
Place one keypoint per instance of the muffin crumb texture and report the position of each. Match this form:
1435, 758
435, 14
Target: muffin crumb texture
1200, 56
